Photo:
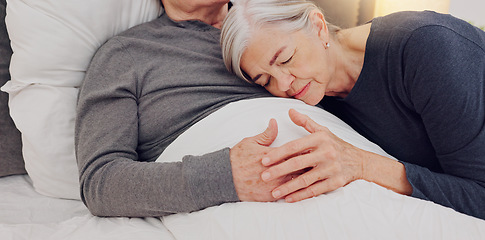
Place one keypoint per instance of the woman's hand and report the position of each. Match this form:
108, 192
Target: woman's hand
328, 161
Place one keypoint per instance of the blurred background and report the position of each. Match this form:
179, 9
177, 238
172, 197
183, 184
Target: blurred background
469, 10
348, 13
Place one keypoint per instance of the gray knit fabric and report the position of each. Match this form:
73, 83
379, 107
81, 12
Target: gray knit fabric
142, 90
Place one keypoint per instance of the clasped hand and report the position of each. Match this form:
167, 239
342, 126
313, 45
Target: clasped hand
315, 164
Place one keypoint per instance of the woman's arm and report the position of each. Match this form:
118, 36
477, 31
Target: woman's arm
446, 85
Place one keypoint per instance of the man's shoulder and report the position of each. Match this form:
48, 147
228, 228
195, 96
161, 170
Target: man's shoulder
133, 36
141, 30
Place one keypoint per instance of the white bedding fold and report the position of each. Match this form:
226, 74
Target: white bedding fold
26, 214
361, 210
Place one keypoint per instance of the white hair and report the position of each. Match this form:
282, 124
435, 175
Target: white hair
246, 16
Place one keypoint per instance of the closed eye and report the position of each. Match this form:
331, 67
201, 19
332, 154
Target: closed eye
267, 81
287, 61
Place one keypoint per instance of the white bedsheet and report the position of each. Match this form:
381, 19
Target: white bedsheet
25, 214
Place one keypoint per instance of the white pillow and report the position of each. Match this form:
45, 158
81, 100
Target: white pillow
360, 210
53, 42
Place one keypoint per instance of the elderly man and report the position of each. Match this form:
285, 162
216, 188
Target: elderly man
143, 89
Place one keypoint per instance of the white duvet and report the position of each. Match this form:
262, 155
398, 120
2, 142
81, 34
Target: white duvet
361, 210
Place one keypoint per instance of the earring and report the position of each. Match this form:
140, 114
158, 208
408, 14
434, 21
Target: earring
327, 45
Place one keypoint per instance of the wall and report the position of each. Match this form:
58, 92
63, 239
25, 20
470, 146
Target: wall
385, 7
344, 13
469, 10
347, 13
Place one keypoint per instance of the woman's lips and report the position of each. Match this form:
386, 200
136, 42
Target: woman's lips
302, 91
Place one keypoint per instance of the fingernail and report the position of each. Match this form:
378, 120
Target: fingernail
265, 176
289, 200
265, 161
277, 194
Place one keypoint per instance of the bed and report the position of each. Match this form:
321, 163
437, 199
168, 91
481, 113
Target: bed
52, 43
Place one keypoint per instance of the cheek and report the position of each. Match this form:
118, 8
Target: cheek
307, 69
313, 65
315, 95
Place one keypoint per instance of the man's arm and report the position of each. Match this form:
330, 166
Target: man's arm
113, 180
117, 181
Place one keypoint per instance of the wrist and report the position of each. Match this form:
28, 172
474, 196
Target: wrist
363, 167
386, 172
360, 164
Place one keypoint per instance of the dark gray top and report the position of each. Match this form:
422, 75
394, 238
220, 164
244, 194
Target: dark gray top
421, 97
143, 89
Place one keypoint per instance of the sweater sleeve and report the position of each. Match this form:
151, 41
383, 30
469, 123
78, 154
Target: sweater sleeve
113, 181
447, 90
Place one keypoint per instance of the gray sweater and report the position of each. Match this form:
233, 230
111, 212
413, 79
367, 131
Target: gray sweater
143, 89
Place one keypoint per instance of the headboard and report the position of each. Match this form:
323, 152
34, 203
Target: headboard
11, 161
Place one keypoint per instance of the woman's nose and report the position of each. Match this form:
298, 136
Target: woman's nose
284, 81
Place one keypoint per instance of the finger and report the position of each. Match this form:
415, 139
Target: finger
304, 121
267, 137
318, 188
291, 149
288, 167
304, 181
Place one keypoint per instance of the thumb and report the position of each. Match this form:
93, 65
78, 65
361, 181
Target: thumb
304, 121
267, 137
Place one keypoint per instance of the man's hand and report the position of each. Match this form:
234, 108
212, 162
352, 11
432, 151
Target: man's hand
247, 167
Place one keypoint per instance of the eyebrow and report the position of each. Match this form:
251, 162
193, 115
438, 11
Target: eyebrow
273, 60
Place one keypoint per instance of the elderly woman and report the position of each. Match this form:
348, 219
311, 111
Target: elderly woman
412, 82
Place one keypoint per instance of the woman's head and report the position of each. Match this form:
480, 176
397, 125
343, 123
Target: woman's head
271, 31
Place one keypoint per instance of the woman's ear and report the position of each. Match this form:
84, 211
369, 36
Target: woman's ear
319, 24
